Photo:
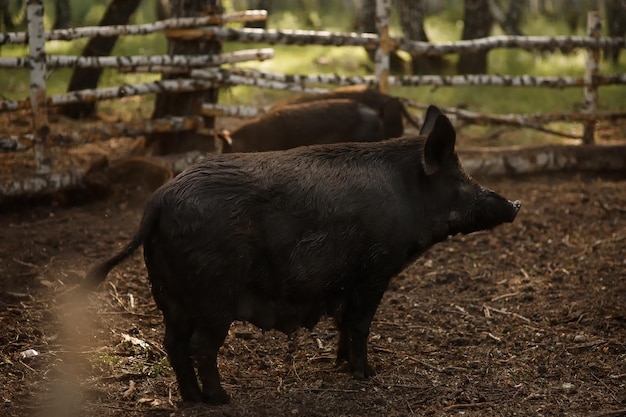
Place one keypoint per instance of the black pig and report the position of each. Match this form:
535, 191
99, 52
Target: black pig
314, 123
280, 239
390, 109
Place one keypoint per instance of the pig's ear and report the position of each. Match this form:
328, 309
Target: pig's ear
439, 146
429, 119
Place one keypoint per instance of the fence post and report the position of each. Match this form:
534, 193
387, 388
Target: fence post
37, 56
383, 8
594, 29
187, 104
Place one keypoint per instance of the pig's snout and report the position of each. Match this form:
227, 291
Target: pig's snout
492, 210
516, 206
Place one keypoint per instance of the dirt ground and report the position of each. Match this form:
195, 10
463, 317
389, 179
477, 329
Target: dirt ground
528, 319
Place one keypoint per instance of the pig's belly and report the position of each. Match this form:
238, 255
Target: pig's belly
284, 315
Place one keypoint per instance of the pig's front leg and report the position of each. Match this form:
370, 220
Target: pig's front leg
354, 326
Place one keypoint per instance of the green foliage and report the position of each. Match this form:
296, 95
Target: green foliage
134, 360
105, 360
153, 369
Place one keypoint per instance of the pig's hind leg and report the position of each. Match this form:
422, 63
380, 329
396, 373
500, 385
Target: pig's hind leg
178, 334
211, 335
179, 327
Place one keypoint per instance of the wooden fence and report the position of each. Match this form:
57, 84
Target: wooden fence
203, 72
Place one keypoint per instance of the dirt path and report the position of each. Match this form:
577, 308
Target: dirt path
529, 319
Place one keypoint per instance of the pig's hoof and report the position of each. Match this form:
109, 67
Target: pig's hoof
363, 373
216, 397
343, 366
191, 395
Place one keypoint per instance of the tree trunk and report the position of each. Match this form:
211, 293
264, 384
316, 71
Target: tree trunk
616, 25
186, 104
509, 21
63, 14
412, 22
7, 19
367, 21
477, 23
412, 19
513, 17
118, 13
162, 9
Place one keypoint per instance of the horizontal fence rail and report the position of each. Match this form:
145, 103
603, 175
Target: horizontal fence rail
536, 43
144, 29
171, 124
505, 80
272, 36
53, 61
424, 80
221, 110
310, 37
233, 79
90, 95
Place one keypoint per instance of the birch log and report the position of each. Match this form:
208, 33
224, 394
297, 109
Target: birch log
513, 119
272, 36
526, 119
302, 37
530, 43
488, 79
543, 159
432, 80
42, 184
231, 79
92, 134
499, 161
183, 61
221, 110
90, 95
532, 121
438, 80
383, 11
307, 37
411, 80
132, 129
13, 144
335, 79
143, 29
594, 29
36, 44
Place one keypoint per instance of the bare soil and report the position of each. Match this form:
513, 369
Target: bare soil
528, 319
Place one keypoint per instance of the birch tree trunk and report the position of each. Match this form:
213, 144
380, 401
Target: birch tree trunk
367, 24
118, 13
186, 104
477, 22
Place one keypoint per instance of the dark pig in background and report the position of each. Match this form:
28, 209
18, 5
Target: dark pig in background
280, 239
390, 109
319, 122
